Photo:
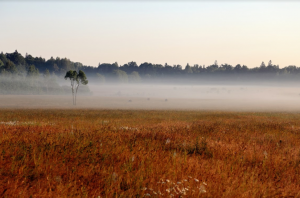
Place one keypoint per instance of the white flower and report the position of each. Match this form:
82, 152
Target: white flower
202, 189
168, 141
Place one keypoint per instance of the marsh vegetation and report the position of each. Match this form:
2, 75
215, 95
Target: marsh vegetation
137, 153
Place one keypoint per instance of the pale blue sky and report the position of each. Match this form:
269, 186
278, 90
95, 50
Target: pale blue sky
173, 32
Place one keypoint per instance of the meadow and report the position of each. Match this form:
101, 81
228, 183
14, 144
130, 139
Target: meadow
148, 153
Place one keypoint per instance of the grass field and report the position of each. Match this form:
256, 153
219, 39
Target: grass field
139, 153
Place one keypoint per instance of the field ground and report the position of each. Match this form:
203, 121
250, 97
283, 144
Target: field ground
141, 153
211, 101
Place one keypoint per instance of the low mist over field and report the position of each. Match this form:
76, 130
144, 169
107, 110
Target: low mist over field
34, 82
168, 97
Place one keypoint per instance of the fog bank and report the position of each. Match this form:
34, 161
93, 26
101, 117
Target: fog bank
169, 97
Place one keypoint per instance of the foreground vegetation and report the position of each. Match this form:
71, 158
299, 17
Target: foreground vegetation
112, 153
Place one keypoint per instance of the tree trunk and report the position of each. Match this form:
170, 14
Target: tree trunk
72, 85
73, 96
76, 93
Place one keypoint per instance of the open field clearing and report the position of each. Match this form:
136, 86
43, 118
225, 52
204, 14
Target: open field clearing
140, 153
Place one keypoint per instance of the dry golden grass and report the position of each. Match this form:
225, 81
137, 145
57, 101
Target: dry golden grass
113, 153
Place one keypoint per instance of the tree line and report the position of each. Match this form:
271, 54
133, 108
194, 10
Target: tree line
14, 64
29, 76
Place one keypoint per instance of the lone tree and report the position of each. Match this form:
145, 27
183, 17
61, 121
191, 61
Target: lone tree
76, 79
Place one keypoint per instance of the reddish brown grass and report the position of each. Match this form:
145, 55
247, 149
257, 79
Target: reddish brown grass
111, 153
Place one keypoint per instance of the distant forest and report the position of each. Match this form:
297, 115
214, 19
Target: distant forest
14, 64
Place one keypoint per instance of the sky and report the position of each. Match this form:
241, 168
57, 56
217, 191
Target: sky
173, 32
